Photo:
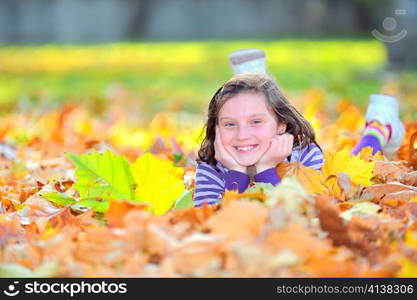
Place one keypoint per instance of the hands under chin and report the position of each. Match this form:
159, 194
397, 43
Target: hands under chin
280, 147
224, 157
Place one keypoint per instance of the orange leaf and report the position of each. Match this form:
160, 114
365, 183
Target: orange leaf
118, 209
413, 149
330, 220
296, 238
344, 206
392, 202
239, 219
195, 216
309, 178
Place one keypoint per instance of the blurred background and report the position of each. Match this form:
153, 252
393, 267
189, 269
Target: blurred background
148, 57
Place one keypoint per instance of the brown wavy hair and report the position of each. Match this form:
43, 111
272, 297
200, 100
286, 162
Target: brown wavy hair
283, 110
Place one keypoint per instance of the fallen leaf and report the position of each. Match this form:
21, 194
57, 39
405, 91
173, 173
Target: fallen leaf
382, 190
239, 219
360, 210
296, 238
410, 178
118, 209
309, 178
103, 176
159, 182
359, 171
331, 221
413, 150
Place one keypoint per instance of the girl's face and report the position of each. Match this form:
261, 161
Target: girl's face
247, 126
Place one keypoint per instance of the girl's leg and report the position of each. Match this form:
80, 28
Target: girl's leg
248, 60
375, 136
384, 130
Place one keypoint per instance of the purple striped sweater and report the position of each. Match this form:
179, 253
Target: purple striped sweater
211, 184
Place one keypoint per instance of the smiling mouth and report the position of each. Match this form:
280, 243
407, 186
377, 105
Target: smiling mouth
245, 149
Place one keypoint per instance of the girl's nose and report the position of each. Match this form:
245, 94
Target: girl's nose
242, 133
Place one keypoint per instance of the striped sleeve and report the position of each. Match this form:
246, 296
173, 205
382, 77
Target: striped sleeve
209, 185
312, 157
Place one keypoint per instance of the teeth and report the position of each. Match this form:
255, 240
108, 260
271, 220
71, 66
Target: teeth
245, 148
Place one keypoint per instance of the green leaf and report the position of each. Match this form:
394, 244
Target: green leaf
104, 176
185, 201
178, 158
59, 198
361, 209
261, 187
97, 205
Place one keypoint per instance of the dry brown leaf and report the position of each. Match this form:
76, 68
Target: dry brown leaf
381, 190
96, 245
156, 241
9, 229
388, 171
338, 264
406, 213
297, 238
197, 217
413, 150
400, 197
239, 219
200, 256
410, 178
330, 220
363, 235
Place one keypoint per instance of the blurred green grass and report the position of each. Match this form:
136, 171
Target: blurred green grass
184, 75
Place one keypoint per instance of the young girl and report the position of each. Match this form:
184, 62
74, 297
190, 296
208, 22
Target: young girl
383, 132
250, 124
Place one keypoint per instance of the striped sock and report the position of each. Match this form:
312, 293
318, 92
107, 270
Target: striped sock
376, 129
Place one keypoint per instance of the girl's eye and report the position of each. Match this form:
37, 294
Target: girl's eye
229, 124
257, 121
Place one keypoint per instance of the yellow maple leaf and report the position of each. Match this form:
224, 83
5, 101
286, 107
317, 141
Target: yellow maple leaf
366, 154
159, 182
408, 268
343, 162
410, 239
309, 178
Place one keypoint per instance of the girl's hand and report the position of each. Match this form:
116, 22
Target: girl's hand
279, 149
223, 156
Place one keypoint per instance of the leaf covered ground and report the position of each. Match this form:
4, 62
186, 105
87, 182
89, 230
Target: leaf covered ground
82, 196
90, 189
